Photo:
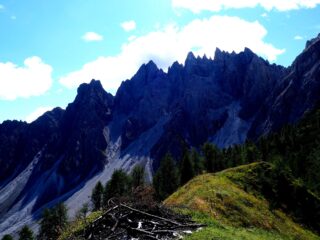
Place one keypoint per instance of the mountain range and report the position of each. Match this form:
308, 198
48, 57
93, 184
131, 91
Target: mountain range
225, 100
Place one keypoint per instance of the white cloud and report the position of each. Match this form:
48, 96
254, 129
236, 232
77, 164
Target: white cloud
131, 38
197, 6
173, 43
128, 25
92, 36
264, 15
298, 37
32, 79
37, 113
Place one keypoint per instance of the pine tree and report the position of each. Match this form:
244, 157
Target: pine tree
96, 196
61, 216
197, 161
313, 171
119, 184
26, 234
187, 171
137, 176
166, 179
47, 229
53, 222
82, 212
7, 237
252, 152
212, 157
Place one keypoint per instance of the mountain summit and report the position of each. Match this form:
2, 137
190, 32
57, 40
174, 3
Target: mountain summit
61, 155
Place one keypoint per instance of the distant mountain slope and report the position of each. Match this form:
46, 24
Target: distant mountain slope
224, 100
295, 94
249, 202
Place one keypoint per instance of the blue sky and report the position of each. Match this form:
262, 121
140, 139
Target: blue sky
48, 48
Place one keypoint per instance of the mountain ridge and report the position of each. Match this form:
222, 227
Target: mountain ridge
225, 100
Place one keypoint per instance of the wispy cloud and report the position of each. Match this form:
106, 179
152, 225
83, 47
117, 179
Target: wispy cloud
1, 7
128, 25
13, 17
92, 36
37, 113
197, 6
298, 37
172, 43
32, 79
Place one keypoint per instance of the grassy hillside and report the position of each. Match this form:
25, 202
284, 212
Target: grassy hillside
248, 202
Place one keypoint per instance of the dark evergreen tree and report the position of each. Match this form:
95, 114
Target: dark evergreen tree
118, 186
264, 148
313, 171
47, 229
228, 157
197, 161
212, 157
166, 179
243, 155
187, 171
7, 237
53, 222
26, 234
137, 176
83, 212
97, 195
252, 152
61, 216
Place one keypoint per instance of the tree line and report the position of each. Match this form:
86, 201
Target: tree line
174, 173
120, 185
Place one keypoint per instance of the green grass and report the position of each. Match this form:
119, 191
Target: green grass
78, 225
234, 210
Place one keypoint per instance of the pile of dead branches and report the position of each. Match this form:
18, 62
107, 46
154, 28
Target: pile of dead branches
122, 221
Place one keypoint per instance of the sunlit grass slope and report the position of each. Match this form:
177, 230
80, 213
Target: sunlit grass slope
233, 203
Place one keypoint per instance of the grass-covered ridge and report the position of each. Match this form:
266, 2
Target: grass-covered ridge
246, 203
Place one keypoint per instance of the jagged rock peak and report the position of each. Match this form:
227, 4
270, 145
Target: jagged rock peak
150, 67
247, 55
191, 59
94, 84
309, 57
55, 113
175, 68
146, 72
248, 51
219, 55
176, 64
312, 41
91, 92
86, 90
